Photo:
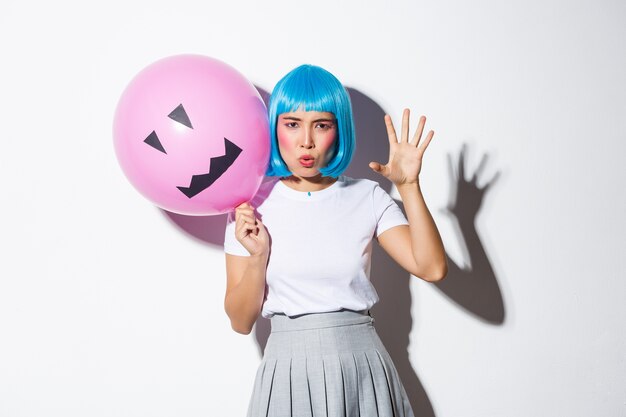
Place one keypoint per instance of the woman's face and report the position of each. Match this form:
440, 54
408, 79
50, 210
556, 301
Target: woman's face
306, 140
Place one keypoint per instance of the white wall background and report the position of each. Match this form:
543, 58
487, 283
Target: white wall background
107, 308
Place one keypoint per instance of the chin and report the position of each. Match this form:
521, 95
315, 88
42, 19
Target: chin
297, 174
304, 172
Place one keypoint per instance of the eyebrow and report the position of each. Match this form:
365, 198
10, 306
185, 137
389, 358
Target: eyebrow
314, 121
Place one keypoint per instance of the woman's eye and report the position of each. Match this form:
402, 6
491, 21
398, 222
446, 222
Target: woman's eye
291, 124
325, 126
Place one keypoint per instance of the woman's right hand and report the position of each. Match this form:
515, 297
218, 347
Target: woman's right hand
250, 231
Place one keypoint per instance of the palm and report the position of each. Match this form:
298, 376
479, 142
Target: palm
405, 158
404, 163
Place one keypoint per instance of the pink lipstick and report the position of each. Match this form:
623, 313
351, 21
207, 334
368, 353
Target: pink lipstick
306, 161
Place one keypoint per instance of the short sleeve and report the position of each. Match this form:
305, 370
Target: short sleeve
231, 244
386, 211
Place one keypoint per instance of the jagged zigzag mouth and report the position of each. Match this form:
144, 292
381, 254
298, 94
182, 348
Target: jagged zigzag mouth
217, 168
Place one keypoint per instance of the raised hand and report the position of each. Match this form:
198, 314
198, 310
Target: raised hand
405, 158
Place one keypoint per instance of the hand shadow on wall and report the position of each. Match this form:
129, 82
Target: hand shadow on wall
476, 290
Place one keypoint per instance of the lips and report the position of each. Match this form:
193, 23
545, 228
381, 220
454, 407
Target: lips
307, 161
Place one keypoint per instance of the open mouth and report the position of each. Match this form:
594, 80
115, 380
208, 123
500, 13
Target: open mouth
218, 165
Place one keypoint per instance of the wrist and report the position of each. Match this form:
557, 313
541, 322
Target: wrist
260, 258
408, 186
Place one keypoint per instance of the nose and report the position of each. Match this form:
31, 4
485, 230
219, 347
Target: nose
307, 141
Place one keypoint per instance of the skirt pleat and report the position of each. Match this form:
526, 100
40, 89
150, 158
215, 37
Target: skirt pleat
280, 395
350, 385
367, 394
384, 400
267, 382
317, 385
395, 387
301, 393
327, 365
335, 398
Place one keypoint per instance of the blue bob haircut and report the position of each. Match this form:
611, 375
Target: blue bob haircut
312, 88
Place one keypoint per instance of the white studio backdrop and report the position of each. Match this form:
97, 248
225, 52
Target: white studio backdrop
108, 307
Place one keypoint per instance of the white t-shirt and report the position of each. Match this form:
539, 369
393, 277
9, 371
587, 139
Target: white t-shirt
321, 244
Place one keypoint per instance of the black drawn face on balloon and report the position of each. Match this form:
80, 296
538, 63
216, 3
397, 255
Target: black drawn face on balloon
192, 136
218, 165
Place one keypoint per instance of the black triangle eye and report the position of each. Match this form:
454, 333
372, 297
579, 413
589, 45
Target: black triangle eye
180, 115
153, 140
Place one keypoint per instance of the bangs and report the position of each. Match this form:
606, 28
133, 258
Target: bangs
303, 92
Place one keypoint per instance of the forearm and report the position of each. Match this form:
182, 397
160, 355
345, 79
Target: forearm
426, 244
244, 302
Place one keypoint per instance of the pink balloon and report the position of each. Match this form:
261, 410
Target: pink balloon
192, 135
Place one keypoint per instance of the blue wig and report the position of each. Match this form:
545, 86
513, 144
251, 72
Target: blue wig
311, 88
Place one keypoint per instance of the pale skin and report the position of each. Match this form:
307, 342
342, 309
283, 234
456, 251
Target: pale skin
418, 248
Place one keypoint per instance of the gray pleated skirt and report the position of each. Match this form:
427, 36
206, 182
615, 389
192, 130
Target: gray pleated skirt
327, 365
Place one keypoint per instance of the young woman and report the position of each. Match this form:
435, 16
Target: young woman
300, 251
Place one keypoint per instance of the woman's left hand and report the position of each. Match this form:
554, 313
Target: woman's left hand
405, 158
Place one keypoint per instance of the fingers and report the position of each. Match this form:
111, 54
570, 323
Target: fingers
244, 229
377, 166
418, 133
245, 220
243, 205
391, 132
406, 114
405, 126
244, 208
426, 141
240, 211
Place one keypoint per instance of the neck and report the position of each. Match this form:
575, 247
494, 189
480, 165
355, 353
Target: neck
315, 183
